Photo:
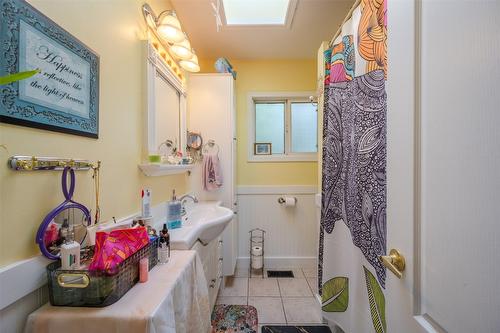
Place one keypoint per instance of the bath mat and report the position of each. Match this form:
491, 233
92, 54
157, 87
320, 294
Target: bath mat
234, 318
280, 274
295, 329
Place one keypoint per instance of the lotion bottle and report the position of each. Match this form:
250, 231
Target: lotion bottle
146, 203
70, 250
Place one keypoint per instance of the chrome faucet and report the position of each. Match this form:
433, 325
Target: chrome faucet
183, 200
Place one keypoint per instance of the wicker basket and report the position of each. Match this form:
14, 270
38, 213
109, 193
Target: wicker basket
96, 288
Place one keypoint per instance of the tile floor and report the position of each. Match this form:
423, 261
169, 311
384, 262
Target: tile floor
285, 301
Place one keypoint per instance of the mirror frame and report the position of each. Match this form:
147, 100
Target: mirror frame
155, 63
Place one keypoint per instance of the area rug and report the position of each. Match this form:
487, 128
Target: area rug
295, 329
234, 318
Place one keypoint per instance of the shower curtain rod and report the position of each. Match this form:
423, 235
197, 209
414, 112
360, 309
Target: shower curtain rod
348, 16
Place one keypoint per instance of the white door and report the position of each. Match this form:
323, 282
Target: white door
443, 165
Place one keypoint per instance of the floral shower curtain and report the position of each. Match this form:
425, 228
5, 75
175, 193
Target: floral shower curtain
353, 215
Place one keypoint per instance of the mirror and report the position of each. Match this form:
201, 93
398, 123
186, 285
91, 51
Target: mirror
68, 220
167, 111
166, 106
194, 141
58, 224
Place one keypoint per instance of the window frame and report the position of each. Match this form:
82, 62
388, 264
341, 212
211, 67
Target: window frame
288, 98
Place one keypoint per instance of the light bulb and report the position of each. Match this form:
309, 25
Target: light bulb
169, 27
182, 50
191, 65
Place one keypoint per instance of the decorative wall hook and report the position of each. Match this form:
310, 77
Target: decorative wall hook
34, 163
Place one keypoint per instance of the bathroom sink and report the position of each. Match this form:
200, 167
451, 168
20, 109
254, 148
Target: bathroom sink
204, 221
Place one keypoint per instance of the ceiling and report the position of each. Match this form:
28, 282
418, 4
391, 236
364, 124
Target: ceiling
314, 21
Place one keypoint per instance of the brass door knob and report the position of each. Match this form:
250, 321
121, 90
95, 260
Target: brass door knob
395, 262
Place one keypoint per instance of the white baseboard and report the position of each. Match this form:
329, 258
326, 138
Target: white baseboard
282, 262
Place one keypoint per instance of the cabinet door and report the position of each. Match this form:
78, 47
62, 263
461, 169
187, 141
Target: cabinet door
212, 113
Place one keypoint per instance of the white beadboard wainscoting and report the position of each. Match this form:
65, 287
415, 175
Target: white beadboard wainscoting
291, 238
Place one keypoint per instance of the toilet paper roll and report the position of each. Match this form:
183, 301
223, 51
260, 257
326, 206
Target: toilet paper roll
257, 250
290, 201
257, 262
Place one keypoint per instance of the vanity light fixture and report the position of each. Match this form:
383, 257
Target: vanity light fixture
149, 16
167, 29
191, 65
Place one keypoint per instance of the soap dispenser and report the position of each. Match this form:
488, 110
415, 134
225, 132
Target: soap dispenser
174, 213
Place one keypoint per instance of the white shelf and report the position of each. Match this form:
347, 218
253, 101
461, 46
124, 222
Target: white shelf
156, 169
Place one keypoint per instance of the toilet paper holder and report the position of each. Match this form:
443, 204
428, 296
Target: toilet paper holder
282, 200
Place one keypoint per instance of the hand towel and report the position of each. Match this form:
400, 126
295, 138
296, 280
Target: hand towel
212, 173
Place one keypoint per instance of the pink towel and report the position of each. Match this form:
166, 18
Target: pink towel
212, 173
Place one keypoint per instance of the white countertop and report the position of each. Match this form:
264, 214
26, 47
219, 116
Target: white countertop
174, 300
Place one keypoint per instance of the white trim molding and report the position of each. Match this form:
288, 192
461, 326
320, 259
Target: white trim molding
157, 66
21, 278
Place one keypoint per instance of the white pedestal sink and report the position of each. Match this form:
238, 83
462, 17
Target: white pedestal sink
204, 221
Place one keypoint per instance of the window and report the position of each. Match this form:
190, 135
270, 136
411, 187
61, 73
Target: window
258, 12
287, 122
270, 125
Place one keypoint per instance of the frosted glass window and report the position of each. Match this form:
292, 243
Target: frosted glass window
289, 124
304, 128
270, 125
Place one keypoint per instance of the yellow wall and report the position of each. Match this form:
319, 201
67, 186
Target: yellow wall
269, 75
112, 28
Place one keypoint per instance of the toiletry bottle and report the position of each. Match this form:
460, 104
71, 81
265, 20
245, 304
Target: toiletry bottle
143, 270
70, 250
165, 234
163, 251
174, 213
146, 203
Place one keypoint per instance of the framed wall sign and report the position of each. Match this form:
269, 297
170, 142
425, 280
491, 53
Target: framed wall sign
64, 96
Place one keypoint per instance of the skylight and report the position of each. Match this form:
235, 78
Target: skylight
256, 12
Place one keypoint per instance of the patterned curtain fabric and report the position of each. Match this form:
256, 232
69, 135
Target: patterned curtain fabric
353, 215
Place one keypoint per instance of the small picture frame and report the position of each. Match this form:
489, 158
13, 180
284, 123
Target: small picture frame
262, 148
